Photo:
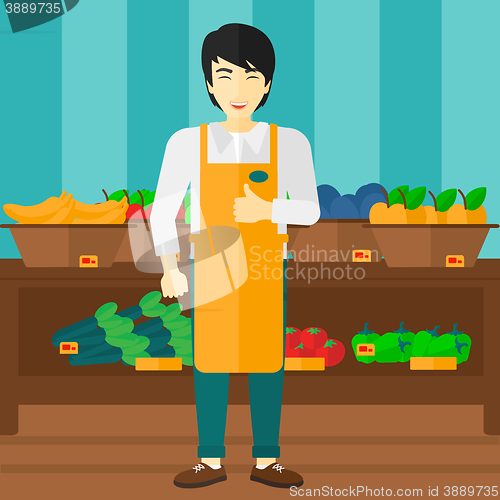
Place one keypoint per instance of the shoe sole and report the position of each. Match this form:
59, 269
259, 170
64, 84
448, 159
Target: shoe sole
273, 484
200, 485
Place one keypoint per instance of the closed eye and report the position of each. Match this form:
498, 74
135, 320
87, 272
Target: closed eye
253, 77
221, 77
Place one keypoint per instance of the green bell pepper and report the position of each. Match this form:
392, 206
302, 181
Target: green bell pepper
443, 347
364, 337
462, 345
387, 348
421, 343
406, 345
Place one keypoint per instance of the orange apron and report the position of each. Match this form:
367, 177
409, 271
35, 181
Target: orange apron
242, 331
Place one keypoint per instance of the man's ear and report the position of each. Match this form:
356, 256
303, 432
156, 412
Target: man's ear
267, 87
210, 88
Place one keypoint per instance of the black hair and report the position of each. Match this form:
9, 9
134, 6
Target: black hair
238, 43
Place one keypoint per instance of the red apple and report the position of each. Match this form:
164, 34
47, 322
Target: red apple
181, 213
148, 211
134, 211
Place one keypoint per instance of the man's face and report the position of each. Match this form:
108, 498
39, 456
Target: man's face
237, 90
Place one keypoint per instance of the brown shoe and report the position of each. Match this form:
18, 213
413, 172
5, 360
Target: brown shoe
276, 475
200, 475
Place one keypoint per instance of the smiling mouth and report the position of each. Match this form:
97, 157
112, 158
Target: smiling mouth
238, 105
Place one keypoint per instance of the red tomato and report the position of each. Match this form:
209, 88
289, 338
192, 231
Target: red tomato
333, 351
313, 338
292, 338
299, 352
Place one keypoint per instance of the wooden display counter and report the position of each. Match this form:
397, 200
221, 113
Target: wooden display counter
338, 297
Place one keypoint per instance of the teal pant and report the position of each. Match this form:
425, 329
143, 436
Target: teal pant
266, 392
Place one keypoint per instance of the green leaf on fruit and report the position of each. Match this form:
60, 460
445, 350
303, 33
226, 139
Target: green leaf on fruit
395, 197
475, 198
446, 199
118, 195
136, 197
329, 343
187, 215
149, 198
187, 201
415, 197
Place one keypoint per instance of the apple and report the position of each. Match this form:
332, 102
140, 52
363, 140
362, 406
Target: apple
135, 212
181, 213
148, 211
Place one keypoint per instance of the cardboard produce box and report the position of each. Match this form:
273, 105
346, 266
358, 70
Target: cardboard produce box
333, 240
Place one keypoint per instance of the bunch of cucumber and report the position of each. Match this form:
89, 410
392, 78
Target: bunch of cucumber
92, 346
109, 336
178, 327
119, 331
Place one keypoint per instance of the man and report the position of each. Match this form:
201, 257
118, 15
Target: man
248, 181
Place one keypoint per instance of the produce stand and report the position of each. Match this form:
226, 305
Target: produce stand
38, 301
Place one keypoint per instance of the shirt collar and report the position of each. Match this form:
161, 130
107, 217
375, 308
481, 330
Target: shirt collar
254, 138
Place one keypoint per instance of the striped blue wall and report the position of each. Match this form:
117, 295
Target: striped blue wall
157, 79
389, 90
471, 103
30, 118
95, 99
346, 79
410, 93
291, 30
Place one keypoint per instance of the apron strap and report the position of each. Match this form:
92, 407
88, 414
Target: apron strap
203, 162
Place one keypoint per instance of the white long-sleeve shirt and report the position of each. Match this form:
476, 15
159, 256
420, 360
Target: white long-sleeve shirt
181, 167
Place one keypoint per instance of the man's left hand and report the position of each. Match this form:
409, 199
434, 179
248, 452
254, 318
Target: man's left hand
251, 208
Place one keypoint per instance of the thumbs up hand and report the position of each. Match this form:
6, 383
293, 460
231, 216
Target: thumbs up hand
251, 208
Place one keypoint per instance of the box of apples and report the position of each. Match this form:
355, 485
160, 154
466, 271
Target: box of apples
311, 349
441, 234
338, 236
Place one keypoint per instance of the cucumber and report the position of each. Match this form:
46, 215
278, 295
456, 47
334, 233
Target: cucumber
106, 311
157, 341
112, 357
96, 338
74, 331
164, 352
177, 323
134, 312
141, 345
150, 300
149, 327
183, 351
126, 327
175, 342
130, 360
123, 341
184, 332
187, 360
173, 310
112, 322
92, 351
155, 311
